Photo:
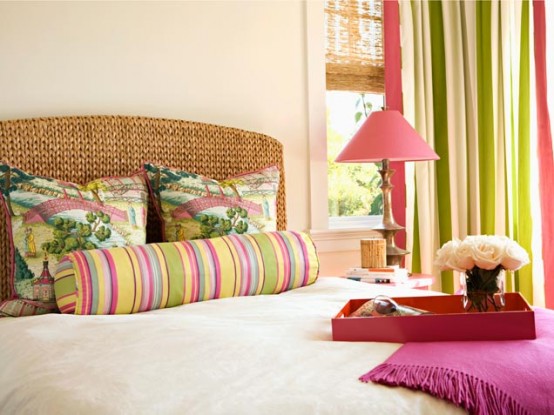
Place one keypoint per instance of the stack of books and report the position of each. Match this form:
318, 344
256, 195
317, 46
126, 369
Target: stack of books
392, 274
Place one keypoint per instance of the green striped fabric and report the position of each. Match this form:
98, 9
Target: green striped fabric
440, 127
487, 154
523, 226
479, 123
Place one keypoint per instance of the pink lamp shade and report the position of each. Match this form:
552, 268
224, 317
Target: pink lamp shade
386, 135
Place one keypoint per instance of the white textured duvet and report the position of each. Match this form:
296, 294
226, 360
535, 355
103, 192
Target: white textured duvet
247, 355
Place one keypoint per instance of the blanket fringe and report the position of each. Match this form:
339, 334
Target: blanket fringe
466, 391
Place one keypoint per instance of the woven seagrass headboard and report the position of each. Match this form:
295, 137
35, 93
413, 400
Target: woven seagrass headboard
80, 149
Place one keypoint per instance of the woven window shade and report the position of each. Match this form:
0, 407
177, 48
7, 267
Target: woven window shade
354, 43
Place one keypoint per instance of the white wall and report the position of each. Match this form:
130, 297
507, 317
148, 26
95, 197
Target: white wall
235, 63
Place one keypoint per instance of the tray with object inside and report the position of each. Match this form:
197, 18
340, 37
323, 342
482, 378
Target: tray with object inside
447, 321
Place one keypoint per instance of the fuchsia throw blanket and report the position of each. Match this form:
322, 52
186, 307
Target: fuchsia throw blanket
483, 377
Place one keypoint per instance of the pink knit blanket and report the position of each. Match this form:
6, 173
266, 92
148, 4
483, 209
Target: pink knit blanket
483, 377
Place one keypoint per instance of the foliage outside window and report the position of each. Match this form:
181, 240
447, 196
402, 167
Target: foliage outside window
353, 187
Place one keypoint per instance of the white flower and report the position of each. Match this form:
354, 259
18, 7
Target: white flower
487, 251
464, 255
514, 256
446, 255
482, 251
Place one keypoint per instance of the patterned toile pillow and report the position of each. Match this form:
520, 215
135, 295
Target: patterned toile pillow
48, 218
196, 207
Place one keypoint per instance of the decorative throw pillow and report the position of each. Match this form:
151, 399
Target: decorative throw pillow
148, 277
22, 308
49, 218
196, 207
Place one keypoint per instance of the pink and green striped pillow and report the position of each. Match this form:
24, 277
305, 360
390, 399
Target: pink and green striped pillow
148, 277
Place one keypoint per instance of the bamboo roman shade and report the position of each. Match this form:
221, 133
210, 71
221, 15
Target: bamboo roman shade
354, 43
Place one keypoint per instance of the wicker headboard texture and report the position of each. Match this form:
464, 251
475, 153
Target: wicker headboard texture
80, 149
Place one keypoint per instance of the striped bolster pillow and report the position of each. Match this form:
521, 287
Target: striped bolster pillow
148, 277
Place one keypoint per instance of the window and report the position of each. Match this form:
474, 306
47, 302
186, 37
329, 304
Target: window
355, 85
354, 195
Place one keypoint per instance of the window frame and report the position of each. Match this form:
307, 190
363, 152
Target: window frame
328, 239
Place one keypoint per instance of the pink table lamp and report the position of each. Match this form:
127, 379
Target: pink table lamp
386, 136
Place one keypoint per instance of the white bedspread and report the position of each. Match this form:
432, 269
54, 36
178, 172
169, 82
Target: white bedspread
248, 355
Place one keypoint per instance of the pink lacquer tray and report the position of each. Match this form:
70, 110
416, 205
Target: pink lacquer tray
449, 322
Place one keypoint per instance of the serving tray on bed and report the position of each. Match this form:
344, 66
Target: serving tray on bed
450, 322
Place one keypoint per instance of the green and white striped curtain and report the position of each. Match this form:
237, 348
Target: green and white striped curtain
467, 88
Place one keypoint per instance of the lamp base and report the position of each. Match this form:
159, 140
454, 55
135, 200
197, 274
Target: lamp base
389, 227
394, 253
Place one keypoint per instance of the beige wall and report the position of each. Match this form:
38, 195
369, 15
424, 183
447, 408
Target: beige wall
234, 63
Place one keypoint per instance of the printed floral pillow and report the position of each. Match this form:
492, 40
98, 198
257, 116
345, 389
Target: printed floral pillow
49, 218
194, 207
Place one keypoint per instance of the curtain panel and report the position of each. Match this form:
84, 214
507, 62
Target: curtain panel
544, 138
468, 79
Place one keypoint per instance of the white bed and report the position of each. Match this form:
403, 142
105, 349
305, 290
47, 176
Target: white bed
270, 354
247, 355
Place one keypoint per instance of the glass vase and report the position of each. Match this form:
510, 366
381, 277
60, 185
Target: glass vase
483, 290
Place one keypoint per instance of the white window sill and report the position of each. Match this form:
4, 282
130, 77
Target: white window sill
354, 222
338, 240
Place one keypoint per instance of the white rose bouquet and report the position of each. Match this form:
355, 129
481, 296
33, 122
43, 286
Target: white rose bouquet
482, 251
482, 258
